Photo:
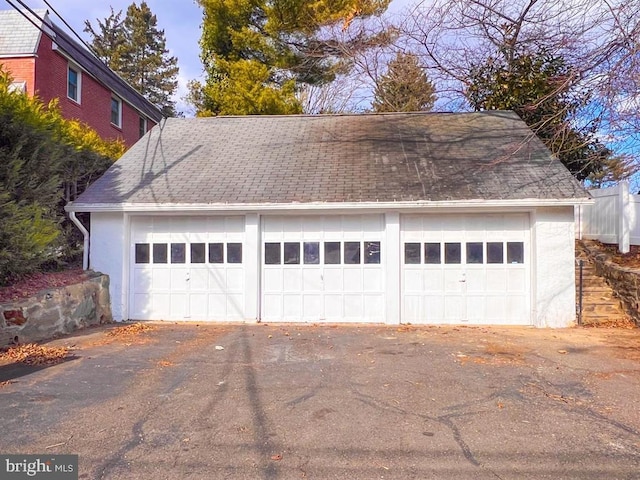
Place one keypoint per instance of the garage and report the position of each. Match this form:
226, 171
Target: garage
187, 268
466, 269
322, 268
400, 218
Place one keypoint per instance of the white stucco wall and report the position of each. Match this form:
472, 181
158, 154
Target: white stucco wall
552, 272
107, 255
554, 267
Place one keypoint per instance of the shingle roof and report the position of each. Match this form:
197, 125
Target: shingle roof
18, 36
335, 158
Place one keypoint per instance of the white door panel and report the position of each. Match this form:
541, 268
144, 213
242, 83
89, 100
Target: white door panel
475, 290
185, 288
310, 289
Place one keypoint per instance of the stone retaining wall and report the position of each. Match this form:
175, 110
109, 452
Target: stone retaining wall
625, 282
56, 311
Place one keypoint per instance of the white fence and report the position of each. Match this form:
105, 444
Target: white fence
614, 218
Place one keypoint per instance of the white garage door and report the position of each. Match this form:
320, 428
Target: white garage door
466, 269
188, 268
322, 268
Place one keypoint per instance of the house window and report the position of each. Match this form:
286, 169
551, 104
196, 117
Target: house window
73, 84
116, 112
142, 126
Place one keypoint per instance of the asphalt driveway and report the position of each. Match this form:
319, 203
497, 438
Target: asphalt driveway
287, 402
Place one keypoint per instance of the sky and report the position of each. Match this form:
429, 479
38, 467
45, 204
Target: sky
180, 20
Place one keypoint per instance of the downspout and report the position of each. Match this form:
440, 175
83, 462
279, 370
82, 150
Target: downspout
85, 233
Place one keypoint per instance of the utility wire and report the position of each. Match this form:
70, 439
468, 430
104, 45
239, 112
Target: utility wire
89, 47
86, 54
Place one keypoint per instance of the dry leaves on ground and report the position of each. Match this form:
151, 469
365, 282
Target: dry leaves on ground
34, 354
128, 330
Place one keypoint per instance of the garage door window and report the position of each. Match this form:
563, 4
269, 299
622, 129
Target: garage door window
216, 253
178, 253
412, 253
515, 252
474, 252
311, 253
432, 253
291, 253
142, 253
160, 253
495, 252
351, 253
372, 252
332, 253
452, 253
197, 253
234, 253
272, 253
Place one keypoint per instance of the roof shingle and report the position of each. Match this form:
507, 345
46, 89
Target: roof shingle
336, 158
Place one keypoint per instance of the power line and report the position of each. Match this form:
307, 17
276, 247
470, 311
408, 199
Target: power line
86, 54
68, 26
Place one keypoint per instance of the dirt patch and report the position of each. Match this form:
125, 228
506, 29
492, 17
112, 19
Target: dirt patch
34, 354
40, 281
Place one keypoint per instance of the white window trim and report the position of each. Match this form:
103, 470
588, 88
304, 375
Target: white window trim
75, 68
146, 125
119, 124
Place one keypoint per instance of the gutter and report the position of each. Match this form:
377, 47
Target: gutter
319, 206
85, 233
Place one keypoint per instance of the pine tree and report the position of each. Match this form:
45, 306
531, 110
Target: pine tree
256, 52
109, 41
136, 49
405, 87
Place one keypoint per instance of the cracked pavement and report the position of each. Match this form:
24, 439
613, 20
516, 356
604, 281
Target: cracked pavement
334, 401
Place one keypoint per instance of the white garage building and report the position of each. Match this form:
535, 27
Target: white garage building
421, 218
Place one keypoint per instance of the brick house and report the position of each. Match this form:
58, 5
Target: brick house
45, 61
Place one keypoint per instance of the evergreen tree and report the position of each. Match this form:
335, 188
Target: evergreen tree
405, 87
538, 87
136, 49
109, 41
275, 45
45, 161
